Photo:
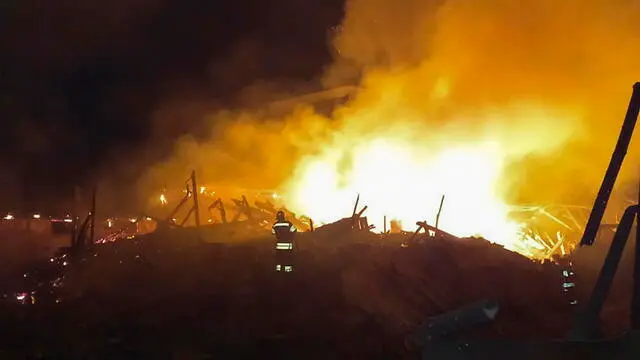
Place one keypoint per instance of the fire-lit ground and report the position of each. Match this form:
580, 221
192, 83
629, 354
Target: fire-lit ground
351, 296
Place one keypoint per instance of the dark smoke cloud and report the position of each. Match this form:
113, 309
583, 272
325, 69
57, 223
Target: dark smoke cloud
88, 84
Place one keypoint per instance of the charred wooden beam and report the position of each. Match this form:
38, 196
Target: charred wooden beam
438, 232
439, 211
586, 325
241, 209
363, 224
80, 239
619, 153
92, 230
251, 213
359, 215
177, 208
75, 217
218, 204
196, 206
635, 297
355, 207
266, 206
247, 207
191, 211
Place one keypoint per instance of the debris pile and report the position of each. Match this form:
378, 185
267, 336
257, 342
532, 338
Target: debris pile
352, 286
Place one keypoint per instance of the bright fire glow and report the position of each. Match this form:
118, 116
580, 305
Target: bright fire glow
403, 166
163, 199
9, 217
397, 181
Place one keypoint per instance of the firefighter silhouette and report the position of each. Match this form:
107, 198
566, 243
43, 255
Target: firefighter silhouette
285, 245
569, 282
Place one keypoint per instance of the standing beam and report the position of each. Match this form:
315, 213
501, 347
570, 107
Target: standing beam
173, 213
439, 211
586, 323
74, 215
355, 207
635, 297
196, 208
93, 216
620, 151
247, 207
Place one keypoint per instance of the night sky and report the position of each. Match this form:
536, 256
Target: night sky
80, 81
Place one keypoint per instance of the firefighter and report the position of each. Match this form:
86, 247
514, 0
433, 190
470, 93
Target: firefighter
569, 282
284, 232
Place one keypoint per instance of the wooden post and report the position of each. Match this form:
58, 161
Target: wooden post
74, 215
384, 226
194, 188
223, 213
355, 207
93, 216
247, 207
586, 324
635, 297
439, 211
600, 203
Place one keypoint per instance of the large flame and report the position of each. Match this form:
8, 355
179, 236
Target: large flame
403, 166
405, 181
486, 103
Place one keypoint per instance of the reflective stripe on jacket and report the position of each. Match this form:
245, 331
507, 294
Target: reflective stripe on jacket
284, 246
282, 225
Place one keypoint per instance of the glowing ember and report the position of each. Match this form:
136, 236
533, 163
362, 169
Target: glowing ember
163, 199
9, 217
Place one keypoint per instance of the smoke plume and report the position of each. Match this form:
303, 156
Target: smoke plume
547, 81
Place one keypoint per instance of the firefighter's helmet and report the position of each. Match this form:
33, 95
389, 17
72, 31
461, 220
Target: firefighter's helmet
280, 216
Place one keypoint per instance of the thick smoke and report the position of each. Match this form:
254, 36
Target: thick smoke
577, 55
550, 78
243, 149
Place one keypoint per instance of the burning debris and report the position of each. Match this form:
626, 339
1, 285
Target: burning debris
546, 231
535, 223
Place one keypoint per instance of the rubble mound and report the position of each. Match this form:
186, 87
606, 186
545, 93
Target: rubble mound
352, 295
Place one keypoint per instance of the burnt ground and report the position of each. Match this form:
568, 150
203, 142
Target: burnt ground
178, 295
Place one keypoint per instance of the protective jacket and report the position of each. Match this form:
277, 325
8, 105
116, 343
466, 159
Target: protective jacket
285, 244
